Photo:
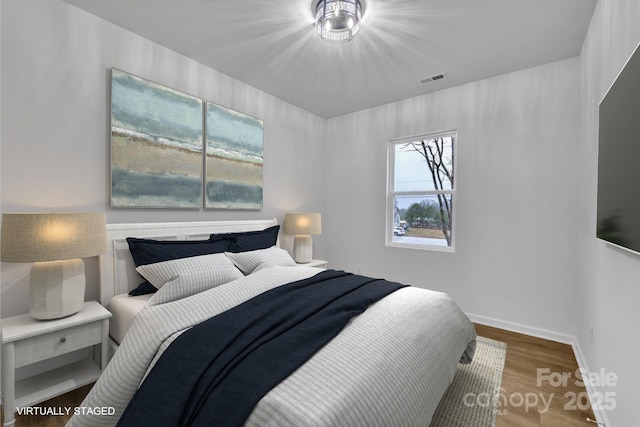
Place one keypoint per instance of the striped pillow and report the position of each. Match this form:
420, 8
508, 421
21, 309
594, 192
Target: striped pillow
252, 261
184, 277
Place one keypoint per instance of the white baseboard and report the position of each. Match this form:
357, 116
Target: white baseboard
601, 415
523, 329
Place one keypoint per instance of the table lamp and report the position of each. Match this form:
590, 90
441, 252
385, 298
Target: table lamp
302, 225
55, 242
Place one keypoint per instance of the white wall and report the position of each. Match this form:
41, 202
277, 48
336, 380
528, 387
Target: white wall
516, 204
56, 62
609, 285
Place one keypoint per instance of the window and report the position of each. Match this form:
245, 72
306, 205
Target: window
421, 192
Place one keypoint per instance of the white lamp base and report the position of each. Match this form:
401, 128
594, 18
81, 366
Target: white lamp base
302, 249
57, 289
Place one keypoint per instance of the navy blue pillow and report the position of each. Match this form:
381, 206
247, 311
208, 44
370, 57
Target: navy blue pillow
143, 288
147, 251
248, 240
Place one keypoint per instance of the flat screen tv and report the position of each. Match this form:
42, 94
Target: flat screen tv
618, 217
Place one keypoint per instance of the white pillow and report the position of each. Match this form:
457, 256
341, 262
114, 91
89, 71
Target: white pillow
252, 261
180, 278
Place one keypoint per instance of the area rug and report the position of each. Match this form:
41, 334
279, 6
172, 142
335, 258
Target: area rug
472, 397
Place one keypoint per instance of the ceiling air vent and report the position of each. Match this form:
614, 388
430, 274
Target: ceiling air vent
431, 79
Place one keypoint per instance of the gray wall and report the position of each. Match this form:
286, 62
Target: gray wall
609, 288
56, 65
516, 204
517, 137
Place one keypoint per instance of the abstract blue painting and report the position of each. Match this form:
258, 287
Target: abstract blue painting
157, 137
234, 159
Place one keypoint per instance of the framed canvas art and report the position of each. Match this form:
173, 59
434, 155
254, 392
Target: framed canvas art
157, 138
233, 159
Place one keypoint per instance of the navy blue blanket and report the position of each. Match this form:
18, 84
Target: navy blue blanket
216, 372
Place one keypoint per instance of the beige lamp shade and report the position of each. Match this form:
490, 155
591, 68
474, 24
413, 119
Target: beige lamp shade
302, 223
54, 242
33, 237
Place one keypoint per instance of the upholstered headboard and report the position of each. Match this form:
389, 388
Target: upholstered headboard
118, 272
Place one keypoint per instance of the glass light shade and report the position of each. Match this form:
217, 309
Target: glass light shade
338, 20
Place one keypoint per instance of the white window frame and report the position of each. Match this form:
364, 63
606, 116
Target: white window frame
391, 193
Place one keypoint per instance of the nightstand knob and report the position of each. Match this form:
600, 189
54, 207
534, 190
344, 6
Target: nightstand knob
63, 340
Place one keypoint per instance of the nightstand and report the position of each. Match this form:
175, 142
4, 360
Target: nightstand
320, 263
26, 340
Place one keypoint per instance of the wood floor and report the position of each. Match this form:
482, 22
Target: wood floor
531, 379
539, 383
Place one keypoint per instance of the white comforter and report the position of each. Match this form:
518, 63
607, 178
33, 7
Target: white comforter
389, 367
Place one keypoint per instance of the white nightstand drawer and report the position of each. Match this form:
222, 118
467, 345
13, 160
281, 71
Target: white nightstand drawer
45, 346
26, 340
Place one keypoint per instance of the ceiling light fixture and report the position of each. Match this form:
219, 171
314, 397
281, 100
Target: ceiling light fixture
338, 20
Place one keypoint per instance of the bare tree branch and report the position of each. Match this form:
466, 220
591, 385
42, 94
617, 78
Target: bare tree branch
433, 153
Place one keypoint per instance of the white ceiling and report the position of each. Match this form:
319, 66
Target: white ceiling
273, 46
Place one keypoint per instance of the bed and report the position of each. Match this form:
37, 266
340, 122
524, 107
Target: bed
388, 365
118, 274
